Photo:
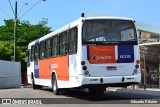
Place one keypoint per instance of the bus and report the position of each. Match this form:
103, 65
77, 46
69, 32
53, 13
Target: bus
91, 52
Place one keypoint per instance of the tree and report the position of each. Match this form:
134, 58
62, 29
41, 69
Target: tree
6, 50
26, 33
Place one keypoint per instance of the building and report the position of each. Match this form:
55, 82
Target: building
149, 38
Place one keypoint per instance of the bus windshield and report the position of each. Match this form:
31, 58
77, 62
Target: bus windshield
109, 31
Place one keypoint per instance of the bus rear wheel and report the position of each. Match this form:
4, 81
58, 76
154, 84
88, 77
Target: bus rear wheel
54, 85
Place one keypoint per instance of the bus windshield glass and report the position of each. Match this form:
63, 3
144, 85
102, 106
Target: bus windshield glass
109, 32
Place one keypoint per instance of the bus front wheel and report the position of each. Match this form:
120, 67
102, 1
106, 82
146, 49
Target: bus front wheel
33, 84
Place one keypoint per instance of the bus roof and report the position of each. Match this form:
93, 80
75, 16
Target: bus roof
75, 23
108, 17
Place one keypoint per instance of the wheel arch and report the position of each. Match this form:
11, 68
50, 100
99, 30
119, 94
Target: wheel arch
52, 75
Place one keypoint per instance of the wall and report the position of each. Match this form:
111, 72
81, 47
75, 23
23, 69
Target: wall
10, 74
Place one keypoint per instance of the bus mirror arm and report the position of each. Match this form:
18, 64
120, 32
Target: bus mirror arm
28, 64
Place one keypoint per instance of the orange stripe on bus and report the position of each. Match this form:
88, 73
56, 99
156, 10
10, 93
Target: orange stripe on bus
59, 65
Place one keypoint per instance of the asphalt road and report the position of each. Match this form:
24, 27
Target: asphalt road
75, 97
78, 96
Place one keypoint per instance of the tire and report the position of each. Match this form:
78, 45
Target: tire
33, 84
96, 91
54, 85
39, 86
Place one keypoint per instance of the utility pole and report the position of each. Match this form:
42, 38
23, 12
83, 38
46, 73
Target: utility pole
16, 23
15, 31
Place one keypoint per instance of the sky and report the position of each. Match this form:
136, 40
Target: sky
61, 12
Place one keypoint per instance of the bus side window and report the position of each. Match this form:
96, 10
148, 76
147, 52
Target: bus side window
36, 57
32, 53
55, 46
48, 48
42, 50
72, 41
63, 44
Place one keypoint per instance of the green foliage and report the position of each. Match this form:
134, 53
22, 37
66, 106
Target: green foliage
6, 31
26, 33
6, 50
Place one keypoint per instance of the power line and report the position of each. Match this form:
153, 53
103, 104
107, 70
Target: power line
11, 6
31, 8
15, 23
22, 8
5, 13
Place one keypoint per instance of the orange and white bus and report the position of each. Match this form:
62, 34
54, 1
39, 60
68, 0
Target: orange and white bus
91, 52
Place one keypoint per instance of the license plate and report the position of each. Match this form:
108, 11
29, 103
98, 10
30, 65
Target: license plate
111, 68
